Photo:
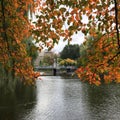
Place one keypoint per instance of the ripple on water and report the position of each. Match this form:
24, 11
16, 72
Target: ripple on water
59, 98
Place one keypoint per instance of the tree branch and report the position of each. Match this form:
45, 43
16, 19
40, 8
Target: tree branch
114, 57
117, 24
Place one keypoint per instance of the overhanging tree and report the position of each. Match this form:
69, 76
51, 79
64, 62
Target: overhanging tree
64, 18
54, 19
14, 29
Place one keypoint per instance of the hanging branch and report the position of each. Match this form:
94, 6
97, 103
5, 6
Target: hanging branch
116, 19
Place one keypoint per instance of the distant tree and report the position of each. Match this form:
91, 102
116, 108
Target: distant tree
68, 62
31, 50
49, 58
70, 51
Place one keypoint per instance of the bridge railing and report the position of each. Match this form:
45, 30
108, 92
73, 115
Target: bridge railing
51, 67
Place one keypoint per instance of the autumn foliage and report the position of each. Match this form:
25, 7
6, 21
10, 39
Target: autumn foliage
14, 29
56, 19
102, 61
65, 18
68, 62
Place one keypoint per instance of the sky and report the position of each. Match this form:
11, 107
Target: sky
76, 39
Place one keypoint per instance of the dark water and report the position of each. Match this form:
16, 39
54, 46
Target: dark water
57, 98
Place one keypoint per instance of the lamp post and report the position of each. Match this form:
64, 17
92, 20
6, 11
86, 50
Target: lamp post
55, 67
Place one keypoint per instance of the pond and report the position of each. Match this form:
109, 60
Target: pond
59, 98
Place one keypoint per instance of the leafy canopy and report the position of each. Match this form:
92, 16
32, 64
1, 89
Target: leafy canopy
15, 63
55, 19
65, 18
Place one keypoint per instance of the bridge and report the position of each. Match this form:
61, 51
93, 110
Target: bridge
56, 70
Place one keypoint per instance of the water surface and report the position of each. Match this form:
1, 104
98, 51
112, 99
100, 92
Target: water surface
58, 98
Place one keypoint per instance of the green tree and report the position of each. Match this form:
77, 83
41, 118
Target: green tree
86, 47
31, 49
70, 51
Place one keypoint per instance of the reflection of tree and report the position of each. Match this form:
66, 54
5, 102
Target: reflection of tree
13, 104
101, 102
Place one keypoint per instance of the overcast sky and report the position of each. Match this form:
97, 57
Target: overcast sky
76, 39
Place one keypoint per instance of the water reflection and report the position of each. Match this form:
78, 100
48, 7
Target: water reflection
58, 98
13, 105
103, 103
